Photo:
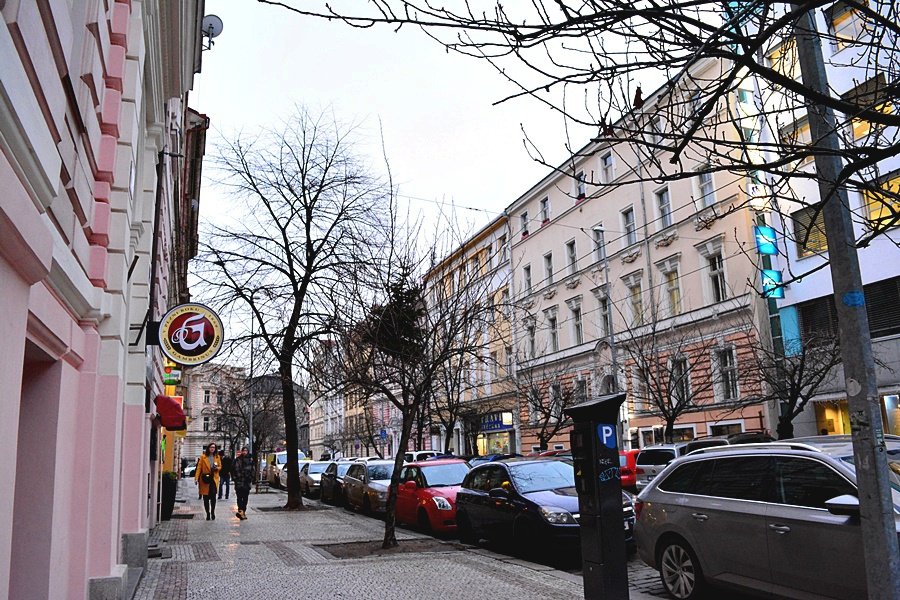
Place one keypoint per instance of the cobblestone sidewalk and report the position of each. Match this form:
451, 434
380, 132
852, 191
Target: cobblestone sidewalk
275, 555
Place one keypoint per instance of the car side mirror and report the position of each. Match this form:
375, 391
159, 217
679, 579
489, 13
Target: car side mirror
845, 505
499, 494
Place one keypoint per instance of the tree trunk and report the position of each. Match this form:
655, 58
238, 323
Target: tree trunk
785, 428
390, 532
294, 499
448, 436
669, 431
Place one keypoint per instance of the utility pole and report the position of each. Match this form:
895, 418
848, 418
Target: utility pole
879, 536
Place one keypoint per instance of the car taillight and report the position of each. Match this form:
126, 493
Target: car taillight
639, 471
624, 471
638, 506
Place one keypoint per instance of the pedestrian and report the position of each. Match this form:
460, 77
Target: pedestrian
207, 477
243, 472
225, 474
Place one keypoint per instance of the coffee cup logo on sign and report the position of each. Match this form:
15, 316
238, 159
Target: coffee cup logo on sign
190, 334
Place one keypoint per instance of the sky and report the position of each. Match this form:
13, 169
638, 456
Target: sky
445, 141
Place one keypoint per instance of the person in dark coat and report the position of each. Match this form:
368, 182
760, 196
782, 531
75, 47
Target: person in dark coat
243, 472
225, 475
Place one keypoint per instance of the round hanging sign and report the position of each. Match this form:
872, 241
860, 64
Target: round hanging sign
191, 334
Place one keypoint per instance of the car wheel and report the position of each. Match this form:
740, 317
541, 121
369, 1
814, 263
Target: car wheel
464, 529
424, 522
679, 570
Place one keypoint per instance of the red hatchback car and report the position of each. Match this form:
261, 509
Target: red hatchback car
427, 494
628, 468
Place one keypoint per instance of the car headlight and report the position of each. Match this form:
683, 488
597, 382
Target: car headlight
382, 494
557, 516
442, 503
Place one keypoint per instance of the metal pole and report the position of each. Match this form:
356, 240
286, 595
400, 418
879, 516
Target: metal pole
252, 333
879, 537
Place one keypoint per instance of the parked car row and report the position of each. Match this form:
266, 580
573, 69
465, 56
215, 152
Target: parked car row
778, 518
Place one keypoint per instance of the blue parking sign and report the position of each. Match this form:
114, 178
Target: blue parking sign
607, 435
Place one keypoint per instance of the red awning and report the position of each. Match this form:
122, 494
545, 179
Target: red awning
171, 415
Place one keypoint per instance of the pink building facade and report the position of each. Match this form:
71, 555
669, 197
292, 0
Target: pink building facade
92, 99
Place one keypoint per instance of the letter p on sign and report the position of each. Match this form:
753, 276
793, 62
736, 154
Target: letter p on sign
607, 435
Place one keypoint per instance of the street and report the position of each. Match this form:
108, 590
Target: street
286, 554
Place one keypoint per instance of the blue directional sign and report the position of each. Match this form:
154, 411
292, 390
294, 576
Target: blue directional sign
607, 434
766, 240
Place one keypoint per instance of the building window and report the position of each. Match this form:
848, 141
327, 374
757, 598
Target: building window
509, 361
580, 390
745, 96
577, 329
495, 367
636, 299
628, 226
664, 206
818, 318
716, 275
580, 185
673, 292
705, 187
555, 402
639, 387
206, 396
502, 250
545, 210
548, 268
796, 139
845, 24
606, 167
526, 278
532, 346
883, 208
572, 257
599, 243
680, 384
523, 219
809, 230
219, 396
554, 333
605, 317
205, 423
504, 299
728, 375
784, 59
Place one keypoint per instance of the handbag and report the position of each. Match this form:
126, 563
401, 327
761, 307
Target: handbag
207, 478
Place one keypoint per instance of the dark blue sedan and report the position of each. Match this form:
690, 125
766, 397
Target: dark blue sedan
530, 502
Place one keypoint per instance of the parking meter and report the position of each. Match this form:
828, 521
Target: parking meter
595, 452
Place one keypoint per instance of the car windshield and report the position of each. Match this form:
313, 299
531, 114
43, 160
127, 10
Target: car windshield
377, 472
543, 475
893, 461
342, 469
317, 467
443, 475
655, 457
281, 458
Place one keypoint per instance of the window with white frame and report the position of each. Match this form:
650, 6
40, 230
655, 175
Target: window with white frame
664, 206
632, 283
727, 374
845, 24
545, 210
639, 389
556, 404
532, 345
580, 185
607, 167
205, 423
219, 396
526, 279
605, 316
713, 263
599, 243
206, 396
628, 226
553, 331
671, 283
706, 191
509, 361
577, 326
548, 268
656, 129
523, 219
572, 257
502, 250
504, 300
535, 407
580, 390
680, 384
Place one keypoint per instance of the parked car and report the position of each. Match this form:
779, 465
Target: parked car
781, 518
277, 460
310, 477
477, 460
332, 482
628, 468
529, 502
417, 455
427, 494
366, 485
189, 470
283, 474
651, 460
745, 437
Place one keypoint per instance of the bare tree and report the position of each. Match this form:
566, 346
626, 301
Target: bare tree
309, 219
233, 414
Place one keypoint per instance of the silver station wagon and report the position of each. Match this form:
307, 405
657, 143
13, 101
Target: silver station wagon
780, 518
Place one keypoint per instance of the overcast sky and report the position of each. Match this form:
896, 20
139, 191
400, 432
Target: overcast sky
444, 139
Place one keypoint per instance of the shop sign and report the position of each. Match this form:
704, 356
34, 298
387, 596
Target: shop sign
772, 284
766, 240
171, 375
497, 421
191, 334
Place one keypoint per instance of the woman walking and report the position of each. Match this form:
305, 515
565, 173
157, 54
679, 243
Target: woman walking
207, 477
242, 471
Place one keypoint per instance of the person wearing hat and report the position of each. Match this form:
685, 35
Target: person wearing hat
242, 472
